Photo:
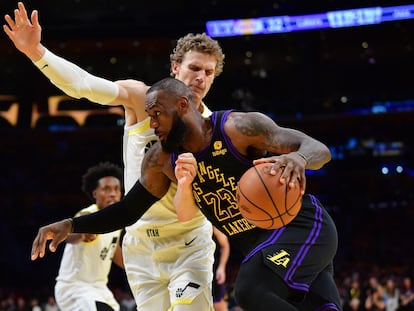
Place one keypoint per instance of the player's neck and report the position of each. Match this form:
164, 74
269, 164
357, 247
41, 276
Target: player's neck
198, 136
200, 107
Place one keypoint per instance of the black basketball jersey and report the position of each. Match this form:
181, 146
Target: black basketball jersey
220, 167
297, 252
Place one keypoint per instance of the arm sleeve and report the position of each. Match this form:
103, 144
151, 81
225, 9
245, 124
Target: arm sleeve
118, 215
75, 81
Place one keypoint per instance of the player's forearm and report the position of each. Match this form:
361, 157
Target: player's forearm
184, 203
75, 81
118, 215
315, 153
74, 238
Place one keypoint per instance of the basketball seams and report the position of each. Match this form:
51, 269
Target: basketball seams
292, 205
254, 204
269, 194
266, 202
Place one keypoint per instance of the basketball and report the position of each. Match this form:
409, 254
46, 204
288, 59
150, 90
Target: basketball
264, 201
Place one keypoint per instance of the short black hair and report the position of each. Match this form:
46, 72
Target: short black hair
173, 87
93, 174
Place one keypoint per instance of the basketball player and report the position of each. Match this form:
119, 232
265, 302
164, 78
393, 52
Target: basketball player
86, 262
221, 257
168, 263
284, 269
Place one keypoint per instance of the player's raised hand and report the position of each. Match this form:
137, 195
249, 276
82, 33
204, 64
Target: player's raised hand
25, 33
186, 168
57, 232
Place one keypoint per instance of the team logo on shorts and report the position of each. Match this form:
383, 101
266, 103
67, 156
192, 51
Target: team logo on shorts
109, 250
281, 258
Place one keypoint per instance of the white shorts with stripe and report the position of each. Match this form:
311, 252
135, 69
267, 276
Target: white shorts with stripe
78, 296
164, 271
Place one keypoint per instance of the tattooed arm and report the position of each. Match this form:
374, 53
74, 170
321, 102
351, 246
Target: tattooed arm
254, 133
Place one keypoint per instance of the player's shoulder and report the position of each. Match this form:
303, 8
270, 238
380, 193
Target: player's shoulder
132, 85
132, 95
246, 120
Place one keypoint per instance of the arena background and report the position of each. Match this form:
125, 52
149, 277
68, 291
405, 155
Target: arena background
351, 88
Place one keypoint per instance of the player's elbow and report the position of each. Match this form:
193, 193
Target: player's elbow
323, 157
327, 156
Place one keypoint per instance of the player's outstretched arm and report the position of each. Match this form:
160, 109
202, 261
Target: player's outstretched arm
57, 232
25, 33
113, 217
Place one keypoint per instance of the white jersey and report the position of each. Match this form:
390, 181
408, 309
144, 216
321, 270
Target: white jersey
137, 139
84, 269
167, 262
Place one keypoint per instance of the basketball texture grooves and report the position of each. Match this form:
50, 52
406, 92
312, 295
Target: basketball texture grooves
264, 201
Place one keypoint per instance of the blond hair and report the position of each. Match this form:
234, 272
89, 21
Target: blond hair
201, 43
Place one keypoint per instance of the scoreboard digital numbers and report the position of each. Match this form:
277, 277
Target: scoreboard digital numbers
332, 19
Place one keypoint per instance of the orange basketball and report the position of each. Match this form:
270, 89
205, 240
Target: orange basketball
264, 201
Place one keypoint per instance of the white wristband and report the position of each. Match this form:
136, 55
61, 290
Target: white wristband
75, 81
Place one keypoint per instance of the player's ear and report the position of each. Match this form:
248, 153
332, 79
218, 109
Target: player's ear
183, 104
174, 68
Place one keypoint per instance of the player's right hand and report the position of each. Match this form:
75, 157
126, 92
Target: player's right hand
57, 232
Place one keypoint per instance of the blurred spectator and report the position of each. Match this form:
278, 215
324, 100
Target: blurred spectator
8, 304
50, 304
353, 297
391, 295
34, 305
406, 295
375, 296
21, 305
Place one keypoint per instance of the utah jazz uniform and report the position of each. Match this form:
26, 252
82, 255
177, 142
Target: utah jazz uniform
83, 272
298, 253
167, 262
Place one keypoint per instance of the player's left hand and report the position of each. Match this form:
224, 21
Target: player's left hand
185, 168
220, 275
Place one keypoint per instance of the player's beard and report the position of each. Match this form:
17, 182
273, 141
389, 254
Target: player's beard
176, 136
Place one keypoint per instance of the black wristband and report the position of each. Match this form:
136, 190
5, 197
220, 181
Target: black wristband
70, 219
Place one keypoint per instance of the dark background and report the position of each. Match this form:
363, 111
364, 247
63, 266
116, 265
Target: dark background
323, 82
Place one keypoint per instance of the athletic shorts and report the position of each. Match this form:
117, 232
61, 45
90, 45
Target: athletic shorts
77, 296
299, 251
170, 270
